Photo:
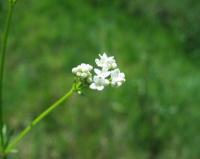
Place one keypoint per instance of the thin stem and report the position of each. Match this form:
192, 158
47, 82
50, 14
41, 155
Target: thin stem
37, 120
3, 54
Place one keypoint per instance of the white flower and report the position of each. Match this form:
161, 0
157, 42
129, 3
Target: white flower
99, 83
117, 78
99, 80
82, 70
106, 62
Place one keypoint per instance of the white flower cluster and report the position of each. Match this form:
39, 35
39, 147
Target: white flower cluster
83, 71
106, 73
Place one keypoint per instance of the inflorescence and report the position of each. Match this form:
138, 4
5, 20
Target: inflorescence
106, 73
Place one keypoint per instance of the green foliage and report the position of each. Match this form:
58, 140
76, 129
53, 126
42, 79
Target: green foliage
154, 115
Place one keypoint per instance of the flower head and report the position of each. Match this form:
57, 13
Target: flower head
106, 74
82, 70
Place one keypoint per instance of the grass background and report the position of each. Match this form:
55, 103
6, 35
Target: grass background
154, 115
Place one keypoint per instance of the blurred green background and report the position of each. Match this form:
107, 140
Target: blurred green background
154, 115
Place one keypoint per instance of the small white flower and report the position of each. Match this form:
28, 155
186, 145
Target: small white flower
99, 83
117, 78
106, 62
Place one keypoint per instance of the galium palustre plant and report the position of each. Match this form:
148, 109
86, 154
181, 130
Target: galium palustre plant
105, 73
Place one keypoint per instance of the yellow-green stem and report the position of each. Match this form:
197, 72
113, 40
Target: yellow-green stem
3, 54
16, 140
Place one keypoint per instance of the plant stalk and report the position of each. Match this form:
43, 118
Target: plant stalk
37, 120
3, 55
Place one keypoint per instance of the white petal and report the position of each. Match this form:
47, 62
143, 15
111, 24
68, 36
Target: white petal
107, 82
114, 65
119, 84
96, 79
93, 86
104, 55
100, 88
97, 61
106, 74
97, 71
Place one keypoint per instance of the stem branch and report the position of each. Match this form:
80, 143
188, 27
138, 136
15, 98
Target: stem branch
3, 54
37, 120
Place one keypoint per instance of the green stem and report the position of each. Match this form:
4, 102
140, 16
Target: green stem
37, 120
3, 54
